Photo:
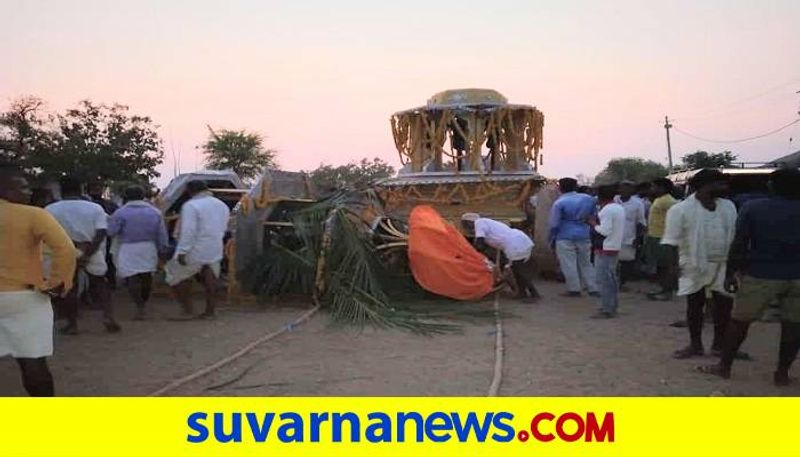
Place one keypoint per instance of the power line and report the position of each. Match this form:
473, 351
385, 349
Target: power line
720, 108
740, 140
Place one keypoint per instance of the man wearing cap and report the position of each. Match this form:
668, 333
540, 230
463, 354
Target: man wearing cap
513, 243
701, 230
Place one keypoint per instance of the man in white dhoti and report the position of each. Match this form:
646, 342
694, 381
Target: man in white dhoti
86, 223
701, 229
26, 316
139, 235
202, 226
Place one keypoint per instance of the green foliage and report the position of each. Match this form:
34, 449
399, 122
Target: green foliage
630, 168
357, 288
90, 142
25, 132
702, 159
353, 175
240, 151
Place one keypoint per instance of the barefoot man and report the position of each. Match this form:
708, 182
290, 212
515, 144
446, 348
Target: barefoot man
26, 316
202, 226
140, 235
701, 230
513, 243
86, 223
764, 266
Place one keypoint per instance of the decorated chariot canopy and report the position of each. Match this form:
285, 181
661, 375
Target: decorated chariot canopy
466, 149
469, 130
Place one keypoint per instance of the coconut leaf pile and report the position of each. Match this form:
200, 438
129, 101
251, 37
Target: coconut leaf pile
331, 255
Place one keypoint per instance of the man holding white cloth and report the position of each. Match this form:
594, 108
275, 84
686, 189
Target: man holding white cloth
202, 226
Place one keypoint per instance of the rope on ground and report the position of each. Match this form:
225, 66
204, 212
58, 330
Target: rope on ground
241, 352
497, 379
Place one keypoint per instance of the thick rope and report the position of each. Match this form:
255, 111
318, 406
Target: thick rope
236, 355
497, 379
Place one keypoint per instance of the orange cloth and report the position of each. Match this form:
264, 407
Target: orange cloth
442, 260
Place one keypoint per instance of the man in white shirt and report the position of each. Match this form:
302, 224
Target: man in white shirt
700, 230
86, 224
515, 245
635, 223
609, 230
202, 226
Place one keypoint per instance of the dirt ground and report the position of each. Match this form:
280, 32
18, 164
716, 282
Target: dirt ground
551, 348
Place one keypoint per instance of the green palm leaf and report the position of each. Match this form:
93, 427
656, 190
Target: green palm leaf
357, 286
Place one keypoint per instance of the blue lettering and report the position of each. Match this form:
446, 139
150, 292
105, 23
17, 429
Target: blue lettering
260, 431
236, 428
295, 426
463, 431
193, 421
316, 425
384, 425
355, 427
506, 427
402, 418
431, 427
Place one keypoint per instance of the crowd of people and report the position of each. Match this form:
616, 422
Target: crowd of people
57, 255
731, 262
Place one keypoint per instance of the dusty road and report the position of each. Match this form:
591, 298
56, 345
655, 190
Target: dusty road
552, 348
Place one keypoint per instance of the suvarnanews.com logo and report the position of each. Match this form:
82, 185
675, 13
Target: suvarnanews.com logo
399, 427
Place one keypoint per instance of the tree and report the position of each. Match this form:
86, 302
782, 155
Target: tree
101, 143
25, 132
238, 150
630, 168
584, 180
353, 174
702, 159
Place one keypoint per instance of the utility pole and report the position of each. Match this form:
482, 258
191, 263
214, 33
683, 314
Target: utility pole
668, 126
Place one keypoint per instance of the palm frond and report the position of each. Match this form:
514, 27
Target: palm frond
280, 270
358, 289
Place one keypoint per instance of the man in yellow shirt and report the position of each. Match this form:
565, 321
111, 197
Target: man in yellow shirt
666, 265
26, 315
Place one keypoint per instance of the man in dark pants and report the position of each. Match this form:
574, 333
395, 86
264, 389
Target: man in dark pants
662, 255
764, 265
95, 191
635, 225
513, 243
700, 230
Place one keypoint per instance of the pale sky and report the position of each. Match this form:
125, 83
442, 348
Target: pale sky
321, 78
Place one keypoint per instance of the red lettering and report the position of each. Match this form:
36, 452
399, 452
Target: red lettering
587, 428
600, 433
543, 437
563, 434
